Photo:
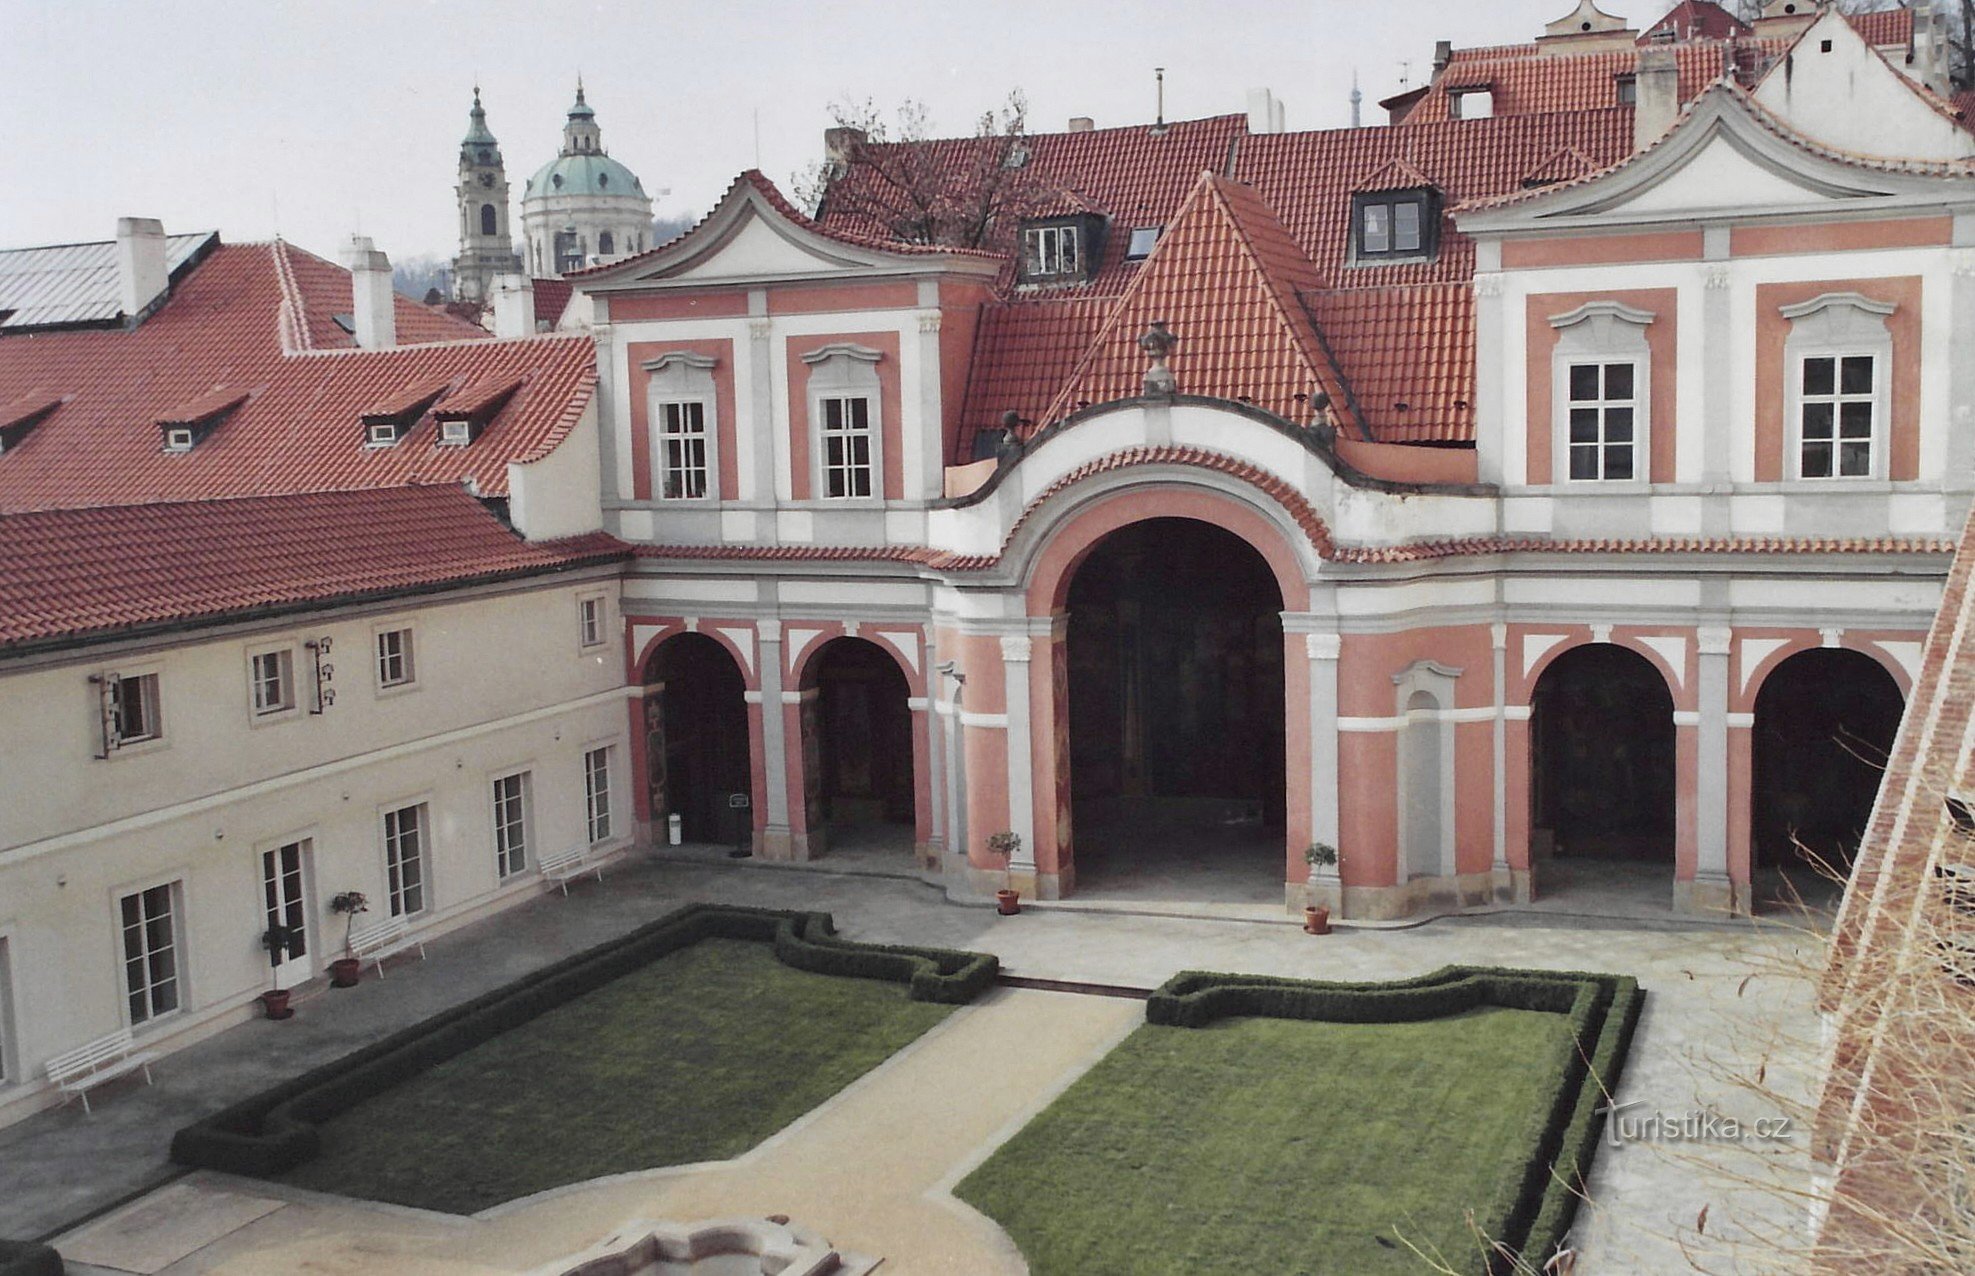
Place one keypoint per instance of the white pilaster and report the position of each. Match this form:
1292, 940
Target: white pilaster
1711, 783
1015, 652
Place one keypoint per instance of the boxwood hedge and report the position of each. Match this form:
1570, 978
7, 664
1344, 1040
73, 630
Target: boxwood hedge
25, 1258
276, 1130
1533, 1211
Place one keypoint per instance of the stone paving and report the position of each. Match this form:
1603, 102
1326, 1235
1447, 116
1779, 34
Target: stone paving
1715, 1007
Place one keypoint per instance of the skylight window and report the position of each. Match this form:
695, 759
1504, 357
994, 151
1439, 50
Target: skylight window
1143, 239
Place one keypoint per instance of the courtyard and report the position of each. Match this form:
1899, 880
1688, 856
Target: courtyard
877, 1164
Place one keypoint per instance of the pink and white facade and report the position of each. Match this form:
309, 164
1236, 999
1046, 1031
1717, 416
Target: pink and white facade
1718, 422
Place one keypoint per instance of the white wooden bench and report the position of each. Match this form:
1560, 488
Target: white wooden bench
75, 1071
388, 938
564, 865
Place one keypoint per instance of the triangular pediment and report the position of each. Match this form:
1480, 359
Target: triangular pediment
752, 249
1726, 158
1834, 88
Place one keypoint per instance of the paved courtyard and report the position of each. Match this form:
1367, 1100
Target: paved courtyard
871, 1168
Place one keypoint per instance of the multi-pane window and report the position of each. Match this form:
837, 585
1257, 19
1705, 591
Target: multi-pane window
589, 620
281, 896
847, 446
1837, 402
274, 681
404, 859
394, 661
596, 792
1394, 224
150, 953
682, 446
511, 823
1603, 420
134, 708
1050, 252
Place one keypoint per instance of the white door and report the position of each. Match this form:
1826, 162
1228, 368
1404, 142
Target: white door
284, 887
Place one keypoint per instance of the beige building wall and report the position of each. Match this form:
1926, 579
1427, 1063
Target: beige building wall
502, 684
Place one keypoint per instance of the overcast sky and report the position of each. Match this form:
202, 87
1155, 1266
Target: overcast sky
314, 120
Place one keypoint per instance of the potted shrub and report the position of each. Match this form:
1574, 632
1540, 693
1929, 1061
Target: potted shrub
1007, 900
277, 940
345, 970
1316, 917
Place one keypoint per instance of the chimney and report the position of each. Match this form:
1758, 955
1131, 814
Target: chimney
373, 309
1657, 91
142, 280
1443, 53
1082, 124
1264, 112
514, 306
840, 146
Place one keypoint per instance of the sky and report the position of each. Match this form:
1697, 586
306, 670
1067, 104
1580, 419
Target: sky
315, 121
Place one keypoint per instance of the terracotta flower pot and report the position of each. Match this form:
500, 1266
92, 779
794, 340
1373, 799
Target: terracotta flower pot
1007, 902
1316, 919
344, 972
275, 1002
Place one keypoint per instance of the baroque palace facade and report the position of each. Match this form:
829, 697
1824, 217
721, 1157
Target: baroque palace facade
1547, 492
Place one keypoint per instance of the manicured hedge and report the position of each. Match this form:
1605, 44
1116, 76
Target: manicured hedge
25, 1258
276, 1130
1532, 1213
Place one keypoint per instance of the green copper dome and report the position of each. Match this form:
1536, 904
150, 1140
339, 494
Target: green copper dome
591, 174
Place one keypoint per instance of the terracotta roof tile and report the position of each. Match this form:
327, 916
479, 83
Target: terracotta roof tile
226, 325
551, 299
1023, 354
1408, 351
66, 575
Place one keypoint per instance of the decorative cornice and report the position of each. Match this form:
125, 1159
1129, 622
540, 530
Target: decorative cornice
847, 349
689, 358
1828, 300
1602, 310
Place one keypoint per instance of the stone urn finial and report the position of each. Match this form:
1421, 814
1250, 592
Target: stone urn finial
1159, 342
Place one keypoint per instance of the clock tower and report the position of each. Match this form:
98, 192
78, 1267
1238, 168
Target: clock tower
485, 248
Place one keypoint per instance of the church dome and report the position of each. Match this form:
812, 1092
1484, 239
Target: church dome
583, 174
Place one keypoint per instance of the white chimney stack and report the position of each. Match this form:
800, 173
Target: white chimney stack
1264, 112
514, 306
1656, 96
1082, 124
142, 279
373, 309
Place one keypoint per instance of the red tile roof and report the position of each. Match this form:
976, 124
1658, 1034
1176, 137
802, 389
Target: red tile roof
1408, 350
1695, 19
231, 324
69, 575
551, 299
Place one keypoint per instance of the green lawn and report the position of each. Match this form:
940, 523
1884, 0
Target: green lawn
1274, 1145
698, 1056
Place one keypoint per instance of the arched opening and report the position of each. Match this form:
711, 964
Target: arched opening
857, 751
1602, 784
1422, 827
1824, 725
1175, 712
487, 225
696, 740
606, 243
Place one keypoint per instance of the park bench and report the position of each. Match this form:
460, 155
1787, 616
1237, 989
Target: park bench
75, 1071
564, 865
388, 938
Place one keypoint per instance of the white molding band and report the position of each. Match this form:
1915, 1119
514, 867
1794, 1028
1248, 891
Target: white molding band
1741, 720
1686, 718
1481, 713
996, 720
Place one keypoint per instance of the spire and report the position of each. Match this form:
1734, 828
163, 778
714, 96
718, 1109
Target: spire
476, 128
581, 136
1357, 100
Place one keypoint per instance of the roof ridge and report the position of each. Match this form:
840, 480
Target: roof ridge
230, 498
291, 324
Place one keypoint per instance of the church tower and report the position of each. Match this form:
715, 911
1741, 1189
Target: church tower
485, 247
582, 207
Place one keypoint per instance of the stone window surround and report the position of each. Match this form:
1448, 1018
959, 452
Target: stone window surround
845, 370
682, 376
1836, 324
1602, 332
1435, 681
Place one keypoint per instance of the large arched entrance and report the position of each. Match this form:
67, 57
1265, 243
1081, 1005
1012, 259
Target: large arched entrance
1824, 725
1602, 777
696, 740
857, 749
1175, 711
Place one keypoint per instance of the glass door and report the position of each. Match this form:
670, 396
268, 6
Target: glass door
284, 889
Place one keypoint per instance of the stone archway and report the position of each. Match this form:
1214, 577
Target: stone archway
858, 750
696, 740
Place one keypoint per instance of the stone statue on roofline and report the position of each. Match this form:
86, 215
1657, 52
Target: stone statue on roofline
1159, 342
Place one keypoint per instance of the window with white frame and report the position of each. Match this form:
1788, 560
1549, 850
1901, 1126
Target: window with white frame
1838, 359
1052, 252
404, 859
273, 676
1603, 415
589, 621
511, 823
682, 451
394, 658
685, 452
847, 450
284, 898
1599, 388
596, 793
150, 952
134, 716
844, 395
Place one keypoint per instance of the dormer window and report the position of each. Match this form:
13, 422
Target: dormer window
1144, 239
466, 413
1061, 250
390, 421
455, 433
1476, 103
186, 426
22, 415
1389, 225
